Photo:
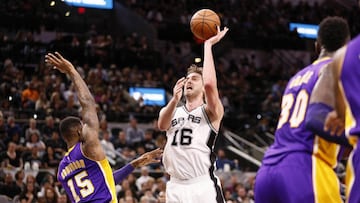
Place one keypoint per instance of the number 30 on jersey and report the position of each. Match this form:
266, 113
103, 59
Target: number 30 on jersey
298, 106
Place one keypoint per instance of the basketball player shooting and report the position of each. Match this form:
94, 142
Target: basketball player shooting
191, 131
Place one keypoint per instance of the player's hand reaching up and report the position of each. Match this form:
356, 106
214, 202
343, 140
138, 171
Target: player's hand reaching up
148, 158
58, 62
220, 34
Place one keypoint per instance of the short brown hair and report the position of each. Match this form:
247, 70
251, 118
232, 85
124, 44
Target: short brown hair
194, 69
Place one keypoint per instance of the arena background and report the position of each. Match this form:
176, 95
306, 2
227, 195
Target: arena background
139, 43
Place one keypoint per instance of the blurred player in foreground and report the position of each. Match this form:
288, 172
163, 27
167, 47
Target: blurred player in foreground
338, 88
298, 166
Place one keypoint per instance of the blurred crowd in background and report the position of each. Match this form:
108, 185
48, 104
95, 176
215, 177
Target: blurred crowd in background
33, 97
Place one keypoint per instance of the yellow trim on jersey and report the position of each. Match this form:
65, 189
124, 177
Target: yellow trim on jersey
326, 151
350, 174
321, 60
109, 178
106, 170
70, 149
325, 182
350, 121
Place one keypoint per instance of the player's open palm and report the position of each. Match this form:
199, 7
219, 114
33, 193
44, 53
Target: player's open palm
178, 88
220, 34
148, 158
58, 62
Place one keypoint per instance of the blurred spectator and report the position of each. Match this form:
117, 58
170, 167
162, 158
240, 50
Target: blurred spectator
48, 181
223, 163
51, 159
10, 71
14, 131
108, 147
9, 187
120, 140
29, 96
48, 128
32, 128
11, 158
125, 186
62, 199
56, 142
36, 142
29, 193
148, 143
134, 134
144, 177
50, 195
103, 128
3, 132
241, 195
42, 104
33, 160
19, 179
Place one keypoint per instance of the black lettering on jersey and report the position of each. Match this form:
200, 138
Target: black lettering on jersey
179, 121
194, 119
173, 122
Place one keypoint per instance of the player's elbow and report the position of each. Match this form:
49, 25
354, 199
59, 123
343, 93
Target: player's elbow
162, 125
209, 85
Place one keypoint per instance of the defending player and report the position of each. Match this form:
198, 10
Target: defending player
338, 88
84, 171
298, 167
191, 131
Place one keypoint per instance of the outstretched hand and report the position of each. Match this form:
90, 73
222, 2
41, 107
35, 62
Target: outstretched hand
148, 158
220, 34
58, 62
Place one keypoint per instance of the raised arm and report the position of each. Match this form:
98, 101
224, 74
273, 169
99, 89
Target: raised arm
166, 112
91, 144
214, 106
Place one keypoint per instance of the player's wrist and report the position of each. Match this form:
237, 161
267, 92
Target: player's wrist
135, 163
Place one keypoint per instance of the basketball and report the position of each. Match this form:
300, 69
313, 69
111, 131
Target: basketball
203, 24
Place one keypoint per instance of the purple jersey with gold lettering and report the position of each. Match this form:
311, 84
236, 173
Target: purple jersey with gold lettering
291, 134
86, 180
298, 166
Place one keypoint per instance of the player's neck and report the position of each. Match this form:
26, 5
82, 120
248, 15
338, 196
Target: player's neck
71, 143
193, 104
324, 53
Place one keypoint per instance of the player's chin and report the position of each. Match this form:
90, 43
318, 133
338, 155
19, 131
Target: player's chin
187, 93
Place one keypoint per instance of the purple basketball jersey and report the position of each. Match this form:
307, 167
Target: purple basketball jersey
298, 166
291, 134
85, 180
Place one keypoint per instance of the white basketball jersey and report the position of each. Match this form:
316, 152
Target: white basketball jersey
189, 148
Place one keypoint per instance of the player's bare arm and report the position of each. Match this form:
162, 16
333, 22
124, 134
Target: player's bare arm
327, 92
147, 158
167, 111
214, 106
91, 145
